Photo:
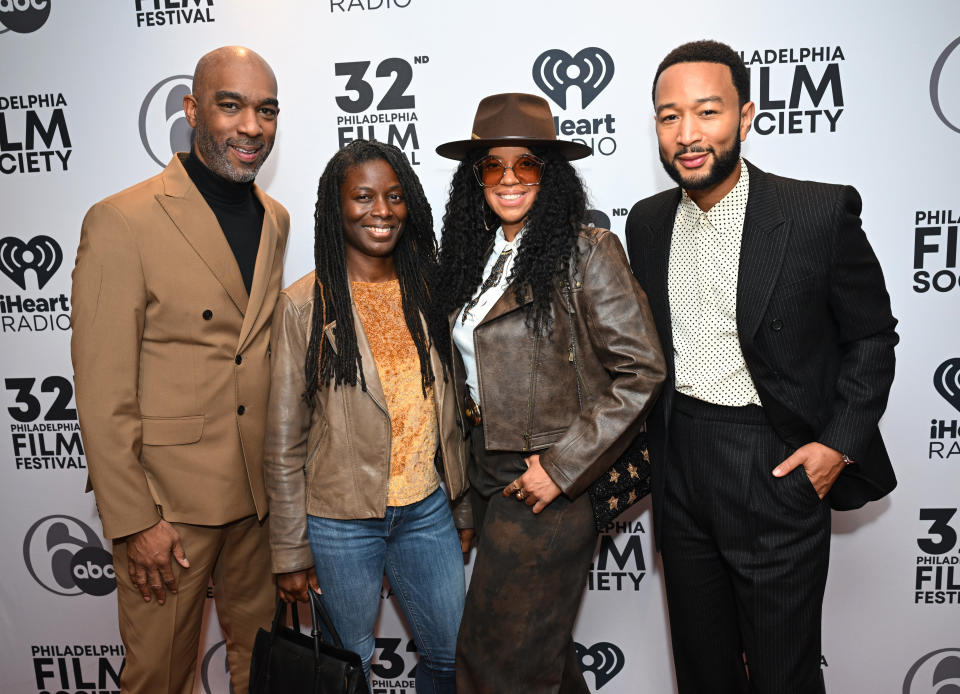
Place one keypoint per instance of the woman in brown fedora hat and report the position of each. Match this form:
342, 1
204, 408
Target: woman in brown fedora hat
556, 361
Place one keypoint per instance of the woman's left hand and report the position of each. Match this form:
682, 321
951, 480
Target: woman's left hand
534, 486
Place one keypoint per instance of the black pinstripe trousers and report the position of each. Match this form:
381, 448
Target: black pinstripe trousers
745, 556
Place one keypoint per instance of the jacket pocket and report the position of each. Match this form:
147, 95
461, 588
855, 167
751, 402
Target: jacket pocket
543, 439
171, 431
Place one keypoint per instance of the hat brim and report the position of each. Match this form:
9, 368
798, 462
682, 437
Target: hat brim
568, 150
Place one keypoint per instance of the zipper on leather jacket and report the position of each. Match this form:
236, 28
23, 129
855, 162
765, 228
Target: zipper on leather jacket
533, 380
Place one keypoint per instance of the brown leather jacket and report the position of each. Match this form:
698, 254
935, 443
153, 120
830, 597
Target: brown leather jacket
529, 385
333, 460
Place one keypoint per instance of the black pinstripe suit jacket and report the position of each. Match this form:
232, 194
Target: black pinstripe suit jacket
813, 316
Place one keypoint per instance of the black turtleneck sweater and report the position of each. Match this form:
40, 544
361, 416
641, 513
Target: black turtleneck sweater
237, 209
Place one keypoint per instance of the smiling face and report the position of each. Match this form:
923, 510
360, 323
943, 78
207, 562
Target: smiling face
233, 111
700, 125
510, 200
373, 210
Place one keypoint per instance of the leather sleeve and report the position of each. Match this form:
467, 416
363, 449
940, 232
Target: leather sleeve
617, 320
108, 306
861, 310
285, 444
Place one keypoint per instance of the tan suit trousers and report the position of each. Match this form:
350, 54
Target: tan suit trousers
162, 641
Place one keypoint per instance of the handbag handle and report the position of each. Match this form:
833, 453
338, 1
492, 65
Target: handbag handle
320, 615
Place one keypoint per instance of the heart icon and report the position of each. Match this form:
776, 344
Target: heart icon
41, 254
555, 71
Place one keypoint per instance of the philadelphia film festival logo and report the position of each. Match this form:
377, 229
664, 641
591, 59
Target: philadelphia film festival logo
215, 670
935, 250
951, 119
164, 129
605, 660
590, 70
945, 433
77, 667
23, 16
65, 556
377, 103
937, 577
394, 665
164, 13
620, 564
34, 137
938, 672
799, 90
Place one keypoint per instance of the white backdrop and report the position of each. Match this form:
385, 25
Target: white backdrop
861, 92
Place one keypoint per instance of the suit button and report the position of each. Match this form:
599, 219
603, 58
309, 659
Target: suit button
776, 325
208, 314
239, 359
241, 409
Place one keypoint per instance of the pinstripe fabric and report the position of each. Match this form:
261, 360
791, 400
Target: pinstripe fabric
744, 554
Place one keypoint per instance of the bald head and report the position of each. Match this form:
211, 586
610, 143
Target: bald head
227, 58
233, 112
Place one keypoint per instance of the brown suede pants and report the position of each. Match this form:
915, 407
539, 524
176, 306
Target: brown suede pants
528, 579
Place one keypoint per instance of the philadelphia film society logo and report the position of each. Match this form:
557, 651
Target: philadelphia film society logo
367, 5
215, 670
29, 263
620, 564
44, 434
945, 433
799, 90
34, 137
23, 16
605, 660
377, 103
64, 555
948, 113
164, 129
938, 672
167, 13
393, 669
937, 577
77, 668
935, 250
590, 70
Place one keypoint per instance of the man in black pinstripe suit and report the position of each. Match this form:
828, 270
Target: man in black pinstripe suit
779, 339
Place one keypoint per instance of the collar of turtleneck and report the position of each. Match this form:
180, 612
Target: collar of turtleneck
214, 187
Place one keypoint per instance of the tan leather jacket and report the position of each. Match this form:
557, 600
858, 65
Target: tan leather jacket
529, 385
333, 460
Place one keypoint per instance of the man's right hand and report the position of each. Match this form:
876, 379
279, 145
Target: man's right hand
148, 560
293, 586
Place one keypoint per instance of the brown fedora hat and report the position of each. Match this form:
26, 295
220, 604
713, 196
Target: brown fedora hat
513, 120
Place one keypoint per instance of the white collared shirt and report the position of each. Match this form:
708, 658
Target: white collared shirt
702, 287
463, 329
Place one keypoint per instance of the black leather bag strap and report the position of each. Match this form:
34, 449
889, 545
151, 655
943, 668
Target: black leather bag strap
320, 615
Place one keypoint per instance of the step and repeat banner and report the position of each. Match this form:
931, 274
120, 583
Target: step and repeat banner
860, 92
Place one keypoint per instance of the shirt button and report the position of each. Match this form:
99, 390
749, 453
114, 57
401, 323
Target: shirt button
241, 409
208, 314
776, 325
239, 359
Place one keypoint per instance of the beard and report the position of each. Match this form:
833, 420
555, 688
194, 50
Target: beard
214, 154
723, 165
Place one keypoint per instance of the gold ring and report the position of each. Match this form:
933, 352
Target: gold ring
520, 494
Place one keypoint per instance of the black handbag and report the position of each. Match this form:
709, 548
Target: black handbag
286, 661
628, 479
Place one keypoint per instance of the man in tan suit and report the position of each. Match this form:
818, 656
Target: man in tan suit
173, 292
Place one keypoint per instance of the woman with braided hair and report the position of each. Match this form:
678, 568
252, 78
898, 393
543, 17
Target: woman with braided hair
360, 414
556, 362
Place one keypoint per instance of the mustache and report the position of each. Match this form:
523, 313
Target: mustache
693, 149
246, 142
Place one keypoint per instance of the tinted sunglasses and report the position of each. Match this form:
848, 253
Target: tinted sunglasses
527, 169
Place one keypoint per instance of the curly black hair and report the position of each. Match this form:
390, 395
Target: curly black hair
415, 257
708, 52
546, 250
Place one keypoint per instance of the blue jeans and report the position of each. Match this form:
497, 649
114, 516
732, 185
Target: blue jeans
418, 548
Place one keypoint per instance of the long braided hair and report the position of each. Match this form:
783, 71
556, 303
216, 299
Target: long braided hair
546, 250
414, 256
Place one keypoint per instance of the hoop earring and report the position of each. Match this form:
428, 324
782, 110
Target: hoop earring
483, 213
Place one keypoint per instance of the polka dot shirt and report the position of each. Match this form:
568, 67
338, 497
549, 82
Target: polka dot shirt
702, 287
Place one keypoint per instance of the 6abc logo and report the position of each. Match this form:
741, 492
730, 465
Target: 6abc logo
935, 93
164, 129
23, 16
938, 672
64, 555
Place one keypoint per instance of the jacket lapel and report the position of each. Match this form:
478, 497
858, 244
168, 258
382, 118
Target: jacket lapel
507, 303
370, 374
196, 221
263, 270
765, 234
656, 257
